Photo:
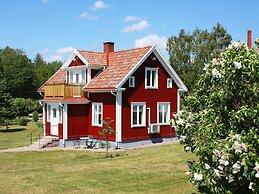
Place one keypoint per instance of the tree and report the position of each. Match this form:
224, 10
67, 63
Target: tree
188, 52
106, 132
19, 73
6, 113
220, 123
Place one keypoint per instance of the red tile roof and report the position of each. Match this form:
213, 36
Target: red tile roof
94, 58
120, 64
58, 78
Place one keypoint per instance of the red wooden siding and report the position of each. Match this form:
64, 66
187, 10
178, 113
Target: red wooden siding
109, 110
77, 120
75, 63
60, 130
151, 97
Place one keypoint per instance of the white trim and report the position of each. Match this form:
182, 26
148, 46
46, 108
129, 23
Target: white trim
71, 58
178, 100
65, 113
151, 69
132, 79
60, 113
136, 66
170, 71
168, 104
144, 114
118, 117
165, 64
48, 112
93, 112
89, 75
44, 119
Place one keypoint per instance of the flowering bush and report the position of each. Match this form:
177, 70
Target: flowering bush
220, 123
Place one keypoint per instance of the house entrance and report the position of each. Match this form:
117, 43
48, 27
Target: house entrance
54, 120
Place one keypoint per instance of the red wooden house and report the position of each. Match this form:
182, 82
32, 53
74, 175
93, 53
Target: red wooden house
136, 88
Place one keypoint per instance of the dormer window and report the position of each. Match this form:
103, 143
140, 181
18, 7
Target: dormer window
77, 77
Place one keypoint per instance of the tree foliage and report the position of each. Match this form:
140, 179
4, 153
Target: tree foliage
6, 113
188, 52
220, 123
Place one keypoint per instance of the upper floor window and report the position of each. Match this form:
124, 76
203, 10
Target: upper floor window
77, 76
169, 82
132, 82
151, 78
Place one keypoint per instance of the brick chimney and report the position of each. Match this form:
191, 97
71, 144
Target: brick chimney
249, 39
108, 47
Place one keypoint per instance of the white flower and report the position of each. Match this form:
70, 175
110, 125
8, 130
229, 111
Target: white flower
197, 177
188, 148
216, 172
207, 167
252, 186
239, 148
216, 73
206, 66
237, 65
257, 175
217, 153
223, 161
187, 173
230, 179
256, 167
236, 137
221, 167
180, 122
214, 61
236, 167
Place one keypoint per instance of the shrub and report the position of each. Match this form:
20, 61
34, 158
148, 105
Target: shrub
35, 116
23, 121
220, 123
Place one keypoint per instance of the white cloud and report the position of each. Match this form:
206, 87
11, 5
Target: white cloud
99, 5
43, 51
151, 39
55, 58
131, 18
65, 50
86, 15
143, 24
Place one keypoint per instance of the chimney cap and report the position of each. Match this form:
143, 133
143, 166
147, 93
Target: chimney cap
108, 42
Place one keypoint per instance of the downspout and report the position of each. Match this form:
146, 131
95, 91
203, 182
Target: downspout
43, 115
63, 139
116, 142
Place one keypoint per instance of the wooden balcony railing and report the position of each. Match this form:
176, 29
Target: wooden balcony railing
63, 90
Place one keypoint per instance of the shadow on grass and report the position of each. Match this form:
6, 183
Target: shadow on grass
11, 130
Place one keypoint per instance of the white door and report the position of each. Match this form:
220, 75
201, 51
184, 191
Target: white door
54, 119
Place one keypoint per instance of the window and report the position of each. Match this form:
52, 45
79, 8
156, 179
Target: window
151, 78
83, 76
49, 109
132, 82
77, 76
138, 114
97, 114
169, 83
163, 112
60, 113
54, 113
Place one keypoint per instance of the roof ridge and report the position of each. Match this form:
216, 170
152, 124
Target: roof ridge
123, 50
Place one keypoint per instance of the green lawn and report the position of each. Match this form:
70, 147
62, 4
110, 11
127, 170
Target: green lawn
15, 136
158, 169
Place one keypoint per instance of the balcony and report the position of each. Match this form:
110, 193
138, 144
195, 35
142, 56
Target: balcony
61, 91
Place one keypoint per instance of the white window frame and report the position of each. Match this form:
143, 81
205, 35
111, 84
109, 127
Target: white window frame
169, 83
95, 122
148, 85
168, 104
81, 74
132, 82
143, 123
48, 112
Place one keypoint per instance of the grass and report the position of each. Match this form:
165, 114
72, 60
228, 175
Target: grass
15, 136
159, 169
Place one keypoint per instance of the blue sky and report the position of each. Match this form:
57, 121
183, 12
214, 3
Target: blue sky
54, 27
